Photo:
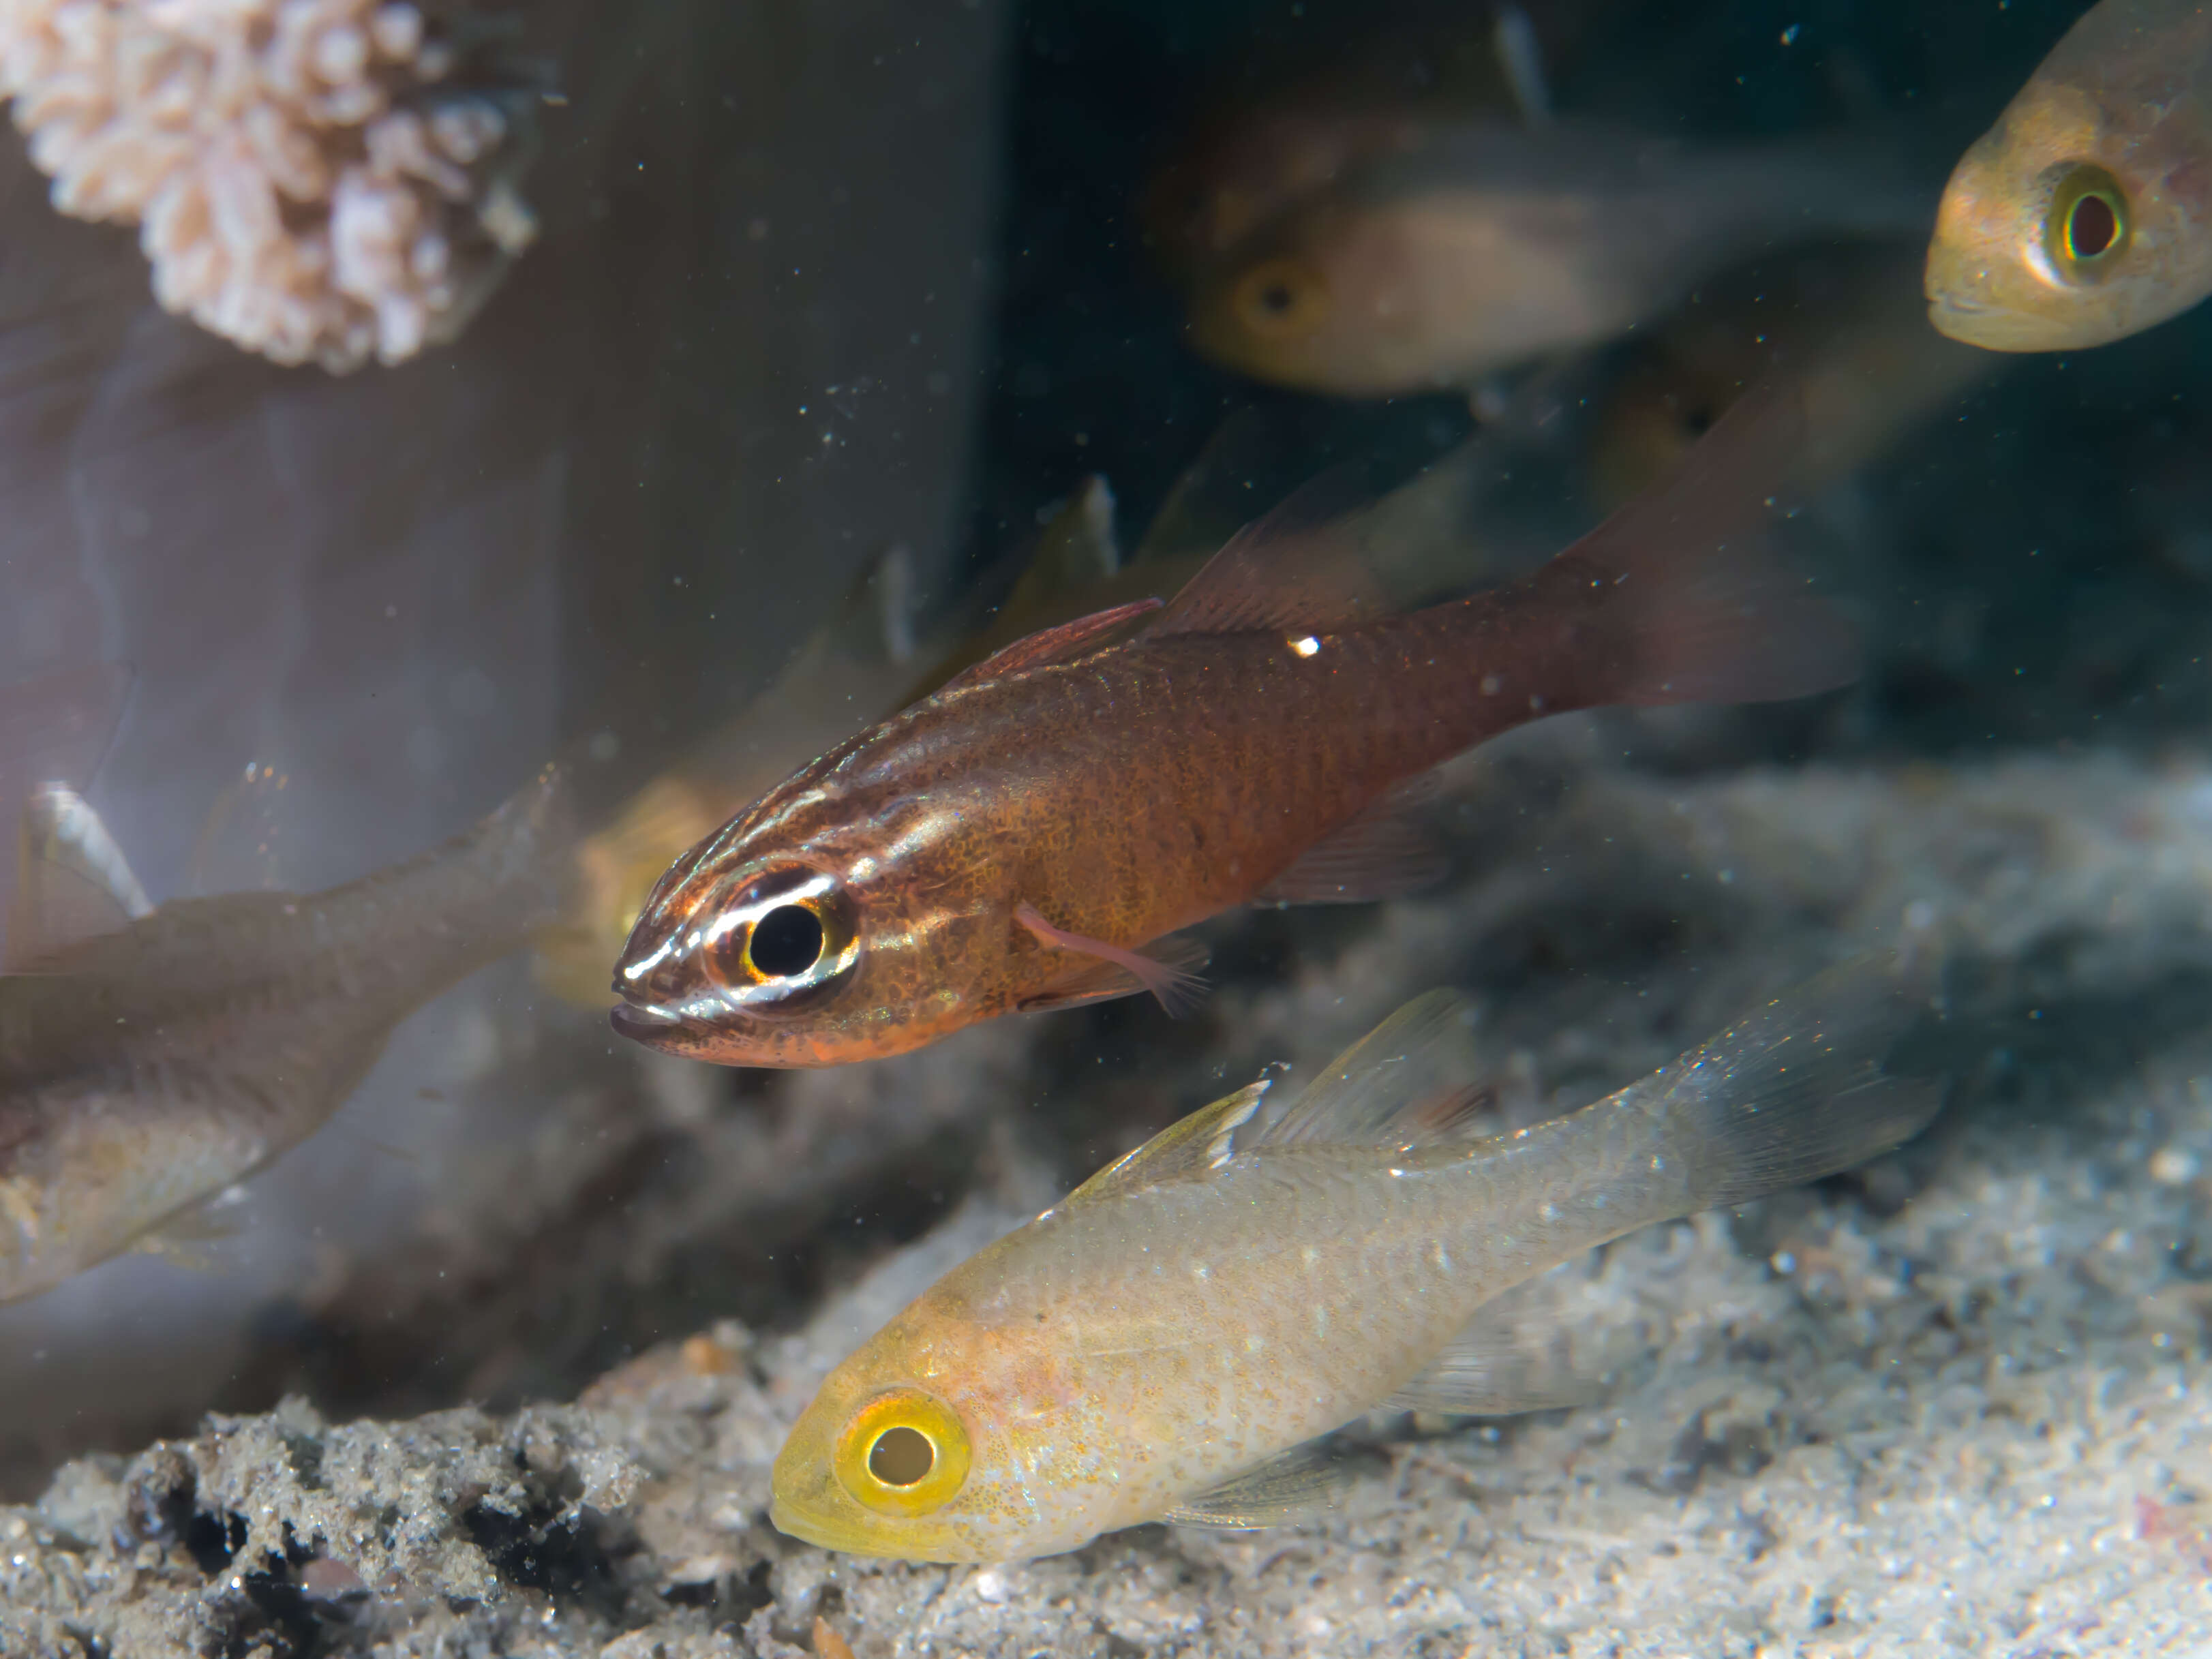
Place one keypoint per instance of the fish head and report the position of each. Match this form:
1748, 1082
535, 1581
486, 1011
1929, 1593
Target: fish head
1372, 293
1329, 300
816, 929
2068, 225
954, 1434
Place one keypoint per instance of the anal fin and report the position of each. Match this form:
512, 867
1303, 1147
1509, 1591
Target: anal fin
1168, 968
1303, 1483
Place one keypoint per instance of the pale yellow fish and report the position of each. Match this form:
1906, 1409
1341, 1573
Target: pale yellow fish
1493, 245
149, 1062
2085, 214
1168, 1341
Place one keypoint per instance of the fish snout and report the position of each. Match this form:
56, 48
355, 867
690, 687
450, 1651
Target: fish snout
642, 1022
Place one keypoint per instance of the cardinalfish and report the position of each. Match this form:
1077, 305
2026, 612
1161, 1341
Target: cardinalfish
151, 1056
871, 659
1383, 96
1492, 245
1168, 1341
1032, 835
2085, 214
1845, 327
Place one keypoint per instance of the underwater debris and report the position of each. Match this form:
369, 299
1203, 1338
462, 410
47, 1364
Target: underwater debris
315, 180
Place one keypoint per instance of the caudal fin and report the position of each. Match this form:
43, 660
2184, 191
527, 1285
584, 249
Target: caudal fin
1681, 592
1802, 1088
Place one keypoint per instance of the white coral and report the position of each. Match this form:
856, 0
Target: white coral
304, 184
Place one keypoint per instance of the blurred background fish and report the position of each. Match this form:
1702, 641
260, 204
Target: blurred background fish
2085, 214
1486, 247
1845, 325
1282, 126
151, 1057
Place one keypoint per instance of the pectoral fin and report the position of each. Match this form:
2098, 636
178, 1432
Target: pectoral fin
1168, 968
1303, 1483
1517, 1354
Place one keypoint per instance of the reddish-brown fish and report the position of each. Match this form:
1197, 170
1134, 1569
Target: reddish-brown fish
1014, 842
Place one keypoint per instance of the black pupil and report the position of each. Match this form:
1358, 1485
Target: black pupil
2091, 227
1277, 298
901, 1456
786, 940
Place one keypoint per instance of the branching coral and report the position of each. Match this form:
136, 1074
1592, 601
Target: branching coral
311, 178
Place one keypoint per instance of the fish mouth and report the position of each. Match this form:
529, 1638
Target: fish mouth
652, 1026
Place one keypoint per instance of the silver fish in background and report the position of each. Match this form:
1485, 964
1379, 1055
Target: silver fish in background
146, 1067
1168, 1341
1494, 245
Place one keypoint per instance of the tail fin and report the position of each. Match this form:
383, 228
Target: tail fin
1691, 604
1799, 1089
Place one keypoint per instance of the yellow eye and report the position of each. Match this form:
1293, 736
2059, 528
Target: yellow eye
2087, 228
904, 1452
1279, 299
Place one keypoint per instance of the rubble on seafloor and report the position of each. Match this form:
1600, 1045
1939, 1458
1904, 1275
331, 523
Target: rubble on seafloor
1953, 1403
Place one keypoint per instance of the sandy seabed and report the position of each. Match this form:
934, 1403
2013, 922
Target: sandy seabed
1954, 1402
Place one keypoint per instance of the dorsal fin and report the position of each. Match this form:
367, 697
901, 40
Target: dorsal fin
1204, 1140
1298, 567
1412, 1081
1062, 644
72, 882
1078, 548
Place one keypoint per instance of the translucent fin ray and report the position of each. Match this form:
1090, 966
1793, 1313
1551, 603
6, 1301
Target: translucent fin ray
1064, 643
1414, 1080
1167, 969
1299, 567
1205, 1141
73, 883
1382, 853
1303, 1483
1799, 1089
1517, 1354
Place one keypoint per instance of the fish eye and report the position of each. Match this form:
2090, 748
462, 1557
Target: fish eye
787, 940
779, 934
2087, 229
1278, 298
904, 1452
901, 1456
